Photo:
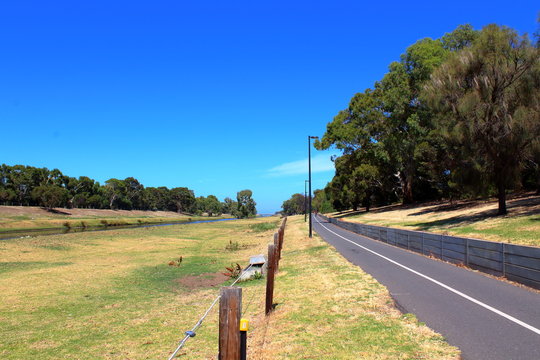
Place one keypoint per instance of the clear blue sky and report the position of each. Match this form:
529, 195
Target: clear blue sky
216, 96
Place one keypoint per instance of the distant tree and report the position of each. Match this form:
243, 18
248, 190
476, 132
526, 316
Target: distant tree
50, 196
229, 206
115, 191
158, 199
212, 206
97, 201
321, 202
487, 97
294, 205
246, 205
7, 196
183, 199
133, 192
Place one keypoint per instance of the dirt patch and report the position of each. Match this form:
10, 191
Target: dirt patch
203, 280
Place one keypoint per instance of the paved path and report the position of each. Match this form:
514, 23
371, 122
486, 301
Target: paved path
486, 318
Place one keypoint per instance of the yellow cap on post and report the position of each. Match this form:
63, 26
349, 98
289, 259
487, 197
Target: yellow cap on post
244, 325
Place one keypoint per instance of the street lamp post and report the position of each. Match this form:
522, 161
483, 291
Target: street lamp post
305, 200
309, 171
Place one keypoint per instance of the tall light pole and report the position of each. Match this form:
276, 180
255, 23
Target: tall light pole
309, 171
305, 200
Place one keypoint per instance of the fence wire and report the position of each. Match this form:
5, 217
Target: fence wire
191, 333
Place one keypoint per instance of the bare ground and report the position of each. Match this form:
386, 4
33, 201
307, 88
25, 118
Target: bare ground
39, 212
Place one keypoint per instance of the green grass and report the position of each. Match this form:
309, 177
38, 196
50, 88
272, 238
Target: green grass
7, 267
113, 295
264, 226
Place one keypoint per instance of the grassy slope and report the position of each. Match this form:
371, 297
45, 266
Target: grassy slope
112, 295
328, 308
30, 217
475, 219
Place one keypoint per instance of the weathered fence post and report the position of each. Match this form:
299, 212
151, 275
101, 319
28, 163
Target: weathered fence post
276, 249
270, 278
280, 240
230, 308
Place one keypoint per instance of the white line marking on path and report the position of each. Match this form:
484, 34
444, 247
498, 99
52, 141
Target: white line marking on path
478, 302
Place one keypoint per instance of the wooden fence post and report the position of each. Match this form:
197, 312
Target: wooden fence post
270, 278
230, 308
276, 250
281, 236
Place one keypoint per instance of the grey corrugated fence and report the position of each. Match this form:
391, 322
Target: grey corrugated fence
515, 262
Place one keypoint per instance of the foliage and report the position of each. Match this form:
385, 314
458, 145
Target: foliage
50, 196
31, 186
234, 246
454, 117
263, 226
295, 205
487, 97
233, 271
229, 206
321, 202
246, 205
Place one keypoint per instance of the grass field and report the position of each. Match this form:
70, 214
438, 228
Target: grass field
114, 295
13, 218
474, 219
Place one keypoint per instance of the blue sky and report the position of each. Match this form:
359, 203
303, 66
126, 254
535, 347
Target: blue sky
216, 96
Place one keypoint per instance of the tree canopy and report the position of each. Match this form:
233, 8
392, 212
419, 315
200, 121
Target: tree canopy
451, 117
31, 186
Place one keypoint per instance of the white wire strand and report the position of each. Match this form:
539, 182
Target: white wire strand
199, 323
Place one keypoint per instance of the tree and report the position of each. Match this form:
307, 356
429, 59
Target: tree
183, 199
295, 205
487, 97
321, 202
246, 205
115, 191
50, 196
229, 206
212, 206
133, 192
407, 122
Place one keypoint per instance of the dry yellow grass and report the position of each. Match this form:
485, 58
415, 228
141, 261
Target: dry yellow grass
474, 219
328, 308
33, 217
111, 295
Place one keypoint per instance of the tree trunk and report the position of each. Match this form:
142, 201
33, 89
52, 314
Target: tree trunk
407, 190
502, 199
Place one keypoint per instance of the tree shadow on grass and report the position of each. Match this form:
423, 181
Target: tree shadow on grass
514, 211
446, 207
350, 213
520, 205
56, 211
455, 221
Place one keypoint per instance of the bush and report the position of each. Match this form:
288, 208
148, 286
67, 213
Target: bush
264, 226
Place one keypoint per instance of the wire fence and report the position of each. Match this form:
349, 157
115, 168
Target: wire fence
191, 333
274, 255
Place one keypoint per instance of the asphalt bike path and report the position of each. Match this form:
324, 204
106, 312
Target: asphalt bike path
484, 317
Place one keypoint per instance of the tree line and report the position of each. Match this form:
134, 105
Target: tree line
31, 186
455, 117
